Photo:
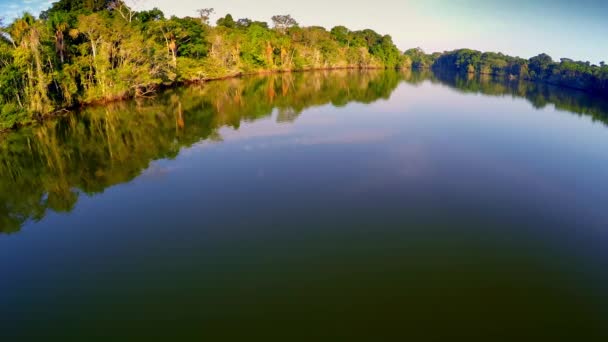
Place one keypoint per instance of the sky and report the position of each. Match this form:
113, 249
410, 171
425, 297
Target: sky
562, 28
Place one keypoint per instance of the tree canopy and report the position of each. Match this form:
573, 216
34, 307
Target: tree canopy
541, 68
83, 51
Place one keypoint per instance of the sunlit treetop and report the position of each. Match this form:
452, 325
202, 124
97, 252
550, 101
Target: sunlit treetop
78, 6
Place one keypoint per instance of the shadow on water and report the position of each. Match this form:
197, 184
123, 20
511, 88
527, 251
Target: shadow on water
53, 164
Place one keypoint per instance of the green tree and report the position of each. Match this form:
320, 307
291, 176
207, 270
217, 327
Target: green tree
77, 7
539, 65
29, 60
283, 22
342, 35
227, 21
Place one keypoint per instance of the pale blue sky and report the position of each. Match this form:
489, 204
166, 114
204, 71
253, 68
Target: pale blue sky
561, 28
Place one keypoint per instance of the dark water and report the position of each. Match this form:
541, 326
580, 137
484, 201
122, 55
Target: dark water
314, 206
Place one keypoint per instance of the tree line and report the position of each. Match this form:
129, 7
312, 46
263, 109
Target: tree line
542, 68
85, 51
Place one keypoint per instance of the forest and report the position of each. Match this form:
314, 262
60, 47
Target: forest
92, 51
542, 68
87, 51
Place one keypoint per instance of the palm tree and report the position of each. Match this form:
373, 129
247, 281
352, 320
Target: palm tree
22, 31
59, 24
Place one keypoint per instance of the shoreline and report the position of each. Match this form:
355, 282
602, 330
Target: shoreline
80, 106
69, 110
513, 78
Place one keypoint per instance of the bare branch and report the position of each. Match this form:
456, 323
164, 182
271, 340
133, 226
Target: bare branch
283, 22
126, 8
205, 14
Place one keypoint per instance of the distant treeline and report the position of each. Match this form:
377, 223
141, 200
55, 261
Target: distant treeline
542, 68
83, 51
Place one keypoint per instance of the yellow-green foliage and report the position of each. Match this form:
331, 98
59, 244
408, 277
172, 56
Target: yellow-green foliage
82, 52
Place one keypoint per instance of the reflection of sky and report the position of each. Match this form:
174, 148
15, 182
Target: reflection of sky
575, 29
446, 186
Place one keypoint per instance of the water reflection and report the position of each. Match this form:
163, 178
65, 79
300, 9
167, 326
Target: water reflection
49, 167
54, 164
538, 94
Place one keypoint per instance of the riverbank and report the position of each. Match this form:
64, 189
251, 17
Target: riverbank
96, 56
568, 73
439, 74
161, 87
74, 56
554, 81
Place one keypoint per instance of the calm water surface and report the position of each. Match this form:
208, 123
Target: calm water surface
338, 206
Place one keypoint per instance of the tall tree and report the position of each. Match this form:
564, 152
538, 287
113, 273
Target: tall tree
77, 6
125, 8
539, 65
205, 15
26, 32
283, 22
226, 21
342, 35
58, 22
243, 22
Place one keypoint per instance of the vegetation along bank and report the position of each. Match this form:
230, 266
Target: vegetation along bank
87, 51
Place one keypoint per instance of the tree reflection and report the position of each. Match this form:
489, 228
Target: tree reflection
49, 167
539, 95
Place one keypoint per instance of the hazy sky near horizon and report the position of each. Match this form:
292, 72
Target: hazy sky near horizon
561, 28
